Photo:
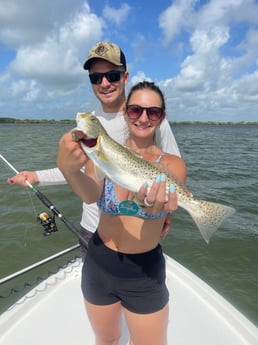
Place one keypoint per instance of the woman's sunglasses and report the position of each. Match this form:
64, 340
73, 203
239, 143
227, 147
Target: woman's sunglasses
111, 76
134, 112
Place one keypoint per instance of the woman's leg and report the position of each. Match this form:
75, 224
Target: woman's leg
148, 329
106, 322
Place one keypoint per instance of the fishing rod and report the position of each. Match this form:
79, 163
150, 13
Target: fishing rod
49, 204
37, 264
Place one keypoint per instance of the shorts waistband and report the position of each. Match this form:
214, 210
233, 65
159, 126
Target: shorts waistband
123, 264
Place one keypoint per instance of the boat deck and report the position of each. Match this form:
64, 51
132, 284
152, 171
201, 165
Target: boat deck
53, 313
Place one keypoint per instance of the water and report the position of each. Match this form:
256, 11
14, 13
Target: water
222, 167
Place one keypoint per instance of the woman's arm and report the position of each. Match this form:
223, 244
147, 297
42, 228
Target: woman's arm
176, 166
70, 160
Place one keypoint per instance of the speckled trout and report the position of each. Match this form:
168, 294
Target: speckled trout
130, 171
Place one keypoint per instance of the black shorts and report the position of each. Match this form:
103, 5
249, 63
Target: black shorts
86, 234
136, 280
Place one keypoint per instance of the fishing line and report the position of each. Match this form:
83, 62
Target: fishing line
33, 205
27, 192
35, 212
47, 221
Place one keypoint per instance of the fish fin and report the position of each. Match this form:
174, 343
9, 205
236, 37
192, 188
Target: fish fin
208, 216
102, 156
161, 167
99, 173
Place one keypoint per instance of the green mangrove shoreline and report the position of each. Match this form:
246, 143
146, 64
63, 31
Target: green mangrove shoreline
9, 120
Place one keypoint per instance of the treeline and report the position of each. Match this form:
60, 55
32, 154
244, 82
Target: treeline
213, 123
13, 120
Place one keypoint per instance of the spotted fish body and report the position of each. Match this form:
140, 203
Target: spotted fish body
130, 171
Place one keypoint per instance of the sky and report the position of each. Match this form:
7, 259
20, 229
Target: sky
203, 55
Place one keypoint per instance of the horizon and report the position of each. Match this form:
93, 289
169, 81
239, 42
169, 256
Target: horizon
32, 120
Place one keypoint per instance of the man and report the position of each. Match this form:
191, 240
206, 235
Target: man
108, 75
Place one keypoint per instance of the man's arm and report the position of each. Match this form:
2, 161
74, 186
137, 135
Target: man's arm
42, 177
50, 177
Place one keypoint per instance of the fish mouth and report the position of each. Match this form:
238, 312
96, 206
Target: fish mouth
89, 142
82, 137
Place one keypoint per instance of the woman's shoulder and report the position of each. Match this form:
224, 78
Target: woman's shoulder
175, 165
168, 157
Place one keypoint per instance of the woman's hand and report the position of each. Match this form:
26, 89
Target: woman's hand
71, 158
158, 199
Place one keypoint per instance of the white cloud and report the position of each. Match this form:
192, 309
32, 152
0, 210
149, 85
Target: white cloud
140, 76
27, 22
176, 18
201, 70
53, 67
218, 76
186, 15
209, 41
225, 12
117, 16
57, 61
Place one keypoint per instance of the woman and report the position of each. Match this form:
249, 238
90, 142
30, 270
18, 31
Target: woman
125, 268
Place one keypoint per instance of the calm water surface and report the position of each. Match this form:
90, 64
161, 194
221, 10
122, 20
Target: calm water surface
222, 164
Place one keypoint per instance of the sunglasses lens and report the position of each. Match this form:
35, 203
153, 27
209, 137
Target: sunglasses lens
96, 78
154, 113
112, 77
134, 111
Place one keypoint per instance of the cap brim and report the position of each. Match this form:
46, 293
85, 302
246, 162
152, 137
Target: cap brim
88, 63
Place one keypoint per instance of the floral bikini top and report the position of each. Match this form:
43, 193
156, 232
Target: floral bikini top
109, 204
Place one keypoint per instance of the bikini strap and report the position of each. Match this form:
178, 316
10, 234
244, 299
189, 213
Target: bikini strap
160, 156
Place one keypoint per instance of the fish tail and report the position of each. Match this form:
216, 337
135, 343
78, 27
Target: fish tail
208, 216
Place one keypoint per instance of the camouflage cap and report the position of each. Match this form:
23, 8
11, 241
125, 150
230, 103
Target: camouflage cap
107, 51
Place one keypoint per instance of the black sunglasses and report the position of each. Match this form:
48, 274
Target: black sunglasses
111, 76
134, 112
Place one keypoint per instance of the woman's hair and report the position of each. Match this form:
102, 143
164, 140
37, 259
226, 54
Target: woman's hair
147, 85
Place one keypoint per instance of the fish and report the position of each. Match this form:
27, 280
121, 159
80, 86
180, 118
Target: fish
130, 171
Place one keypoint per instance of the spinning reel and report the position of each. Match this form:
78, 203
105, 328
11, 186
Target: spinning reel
48, 223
